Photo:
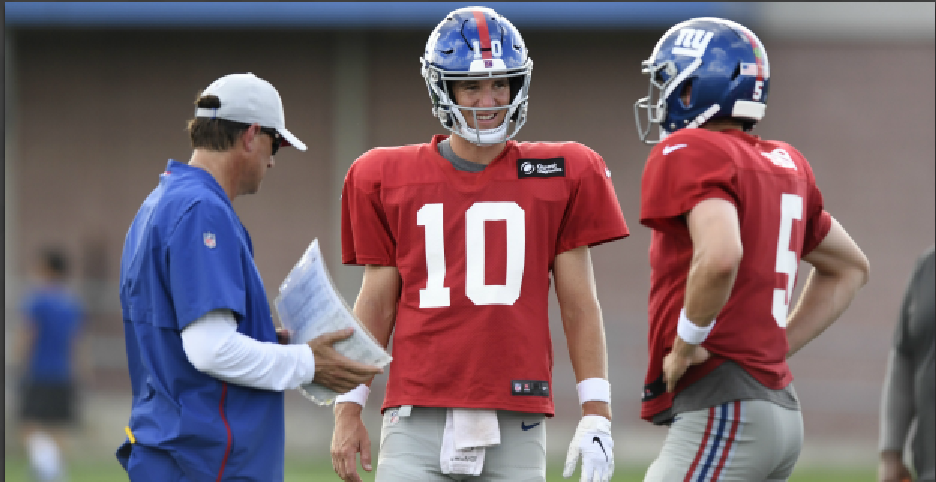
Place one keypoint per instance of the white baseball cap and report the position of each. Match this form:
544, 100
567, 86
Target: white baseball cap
249, 99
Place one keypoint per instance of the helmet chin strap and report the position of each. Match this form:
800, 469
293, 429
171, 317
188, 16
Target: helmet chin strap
485, 137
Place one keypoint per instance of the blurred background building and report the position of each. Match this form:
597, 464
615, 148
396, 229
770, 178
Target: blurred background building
97, 96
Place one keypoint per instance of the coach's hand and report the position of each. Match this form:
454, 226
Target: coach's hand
334, 370
349, 438
680, 359
592, 440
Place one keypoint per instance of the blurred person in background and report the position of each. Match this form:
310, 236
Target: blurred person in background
207, 365
732, 216
459, 238
909, 392
53, 361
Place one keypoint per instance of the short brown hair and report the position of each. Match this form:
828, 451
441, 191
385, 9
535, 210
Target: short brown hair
210, 133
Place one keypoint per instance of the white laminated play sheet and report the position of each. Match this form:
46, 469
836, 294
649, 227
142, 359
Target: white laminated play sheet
309, 305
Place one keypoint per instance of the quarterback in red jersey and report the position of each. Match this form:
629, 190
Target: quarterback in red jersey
732, 215
459, 238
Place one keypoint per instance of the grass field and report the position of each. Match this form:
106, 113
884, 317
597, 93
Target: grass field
15, 470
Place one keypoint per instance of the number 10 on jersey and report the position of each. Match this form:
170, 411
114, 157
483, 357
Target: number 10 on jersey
436, 294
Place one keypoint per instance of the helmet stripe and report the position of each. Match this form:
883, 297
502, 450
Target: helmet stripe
758, 53
760, 58
484, 34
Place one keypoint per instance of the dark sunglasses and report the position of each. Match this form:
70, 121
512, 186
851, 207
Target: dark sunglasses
277, 138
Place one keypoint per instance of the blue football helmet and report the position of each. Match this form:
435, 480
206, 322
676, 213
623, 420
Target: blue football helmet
476, 43
723, 63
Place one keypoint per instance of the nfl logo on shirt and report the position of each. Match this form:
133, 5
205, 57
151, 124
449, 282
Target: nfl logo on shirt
209, 239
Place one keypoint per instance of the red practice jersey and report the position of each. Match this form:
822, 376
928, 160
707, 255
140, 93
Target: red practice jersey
475, 251
781, 217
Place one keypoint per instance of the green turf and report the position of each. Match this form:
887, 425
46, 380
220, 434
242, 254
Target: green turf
15, 471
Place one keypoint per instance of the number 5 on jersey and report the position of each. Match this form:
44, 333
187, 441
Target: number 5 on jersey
791, 207
436, 294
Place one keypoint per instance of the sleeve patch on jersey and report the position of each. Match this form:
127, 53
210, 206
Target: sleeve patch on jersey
538, 388
554, 167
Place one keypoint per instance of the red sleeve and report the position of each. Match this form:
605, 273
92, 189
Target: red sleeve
366, 237
676, 182
818, 220
594, 214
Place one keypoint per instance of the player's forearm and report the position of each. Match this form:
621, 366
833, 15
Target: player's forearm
587, 346
588, 352
581, 313
376, 304
824, 298
581, 321
708, 287
377, 317
716, 254
378, 321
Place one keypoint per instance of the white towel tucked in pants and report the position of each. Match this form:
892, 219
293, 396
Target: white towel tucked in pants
467, 432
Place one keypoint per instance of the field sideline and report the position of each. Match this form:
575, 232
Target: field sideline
822, 460
15, 470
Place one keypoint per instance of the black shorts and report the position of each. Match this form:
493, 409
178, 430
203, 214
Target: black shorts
52, 403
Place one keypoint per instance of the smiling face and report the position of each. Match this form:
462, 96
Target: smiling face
486, 99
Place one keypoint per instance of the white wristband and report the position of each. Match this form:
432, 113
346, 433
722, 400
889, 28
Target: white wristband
357, 395
690, 332
594, 389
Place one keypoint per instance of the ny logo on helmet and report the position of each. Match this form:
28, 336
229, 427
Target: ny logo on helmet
692, 42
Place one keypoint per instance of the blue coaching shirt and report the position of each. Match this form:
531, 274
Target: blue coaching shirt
187, 253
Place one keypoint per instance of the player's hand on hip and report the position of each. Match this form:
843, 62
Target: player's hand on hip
592, 441
334, 370
349, 438
892, 469
680, 359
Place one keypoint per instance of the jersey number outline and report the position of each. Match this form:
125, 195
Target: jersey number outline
436, 294
791, 207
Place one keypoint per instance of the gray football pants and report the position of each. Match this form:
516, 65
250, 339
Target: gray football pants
410, 448
739, 441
